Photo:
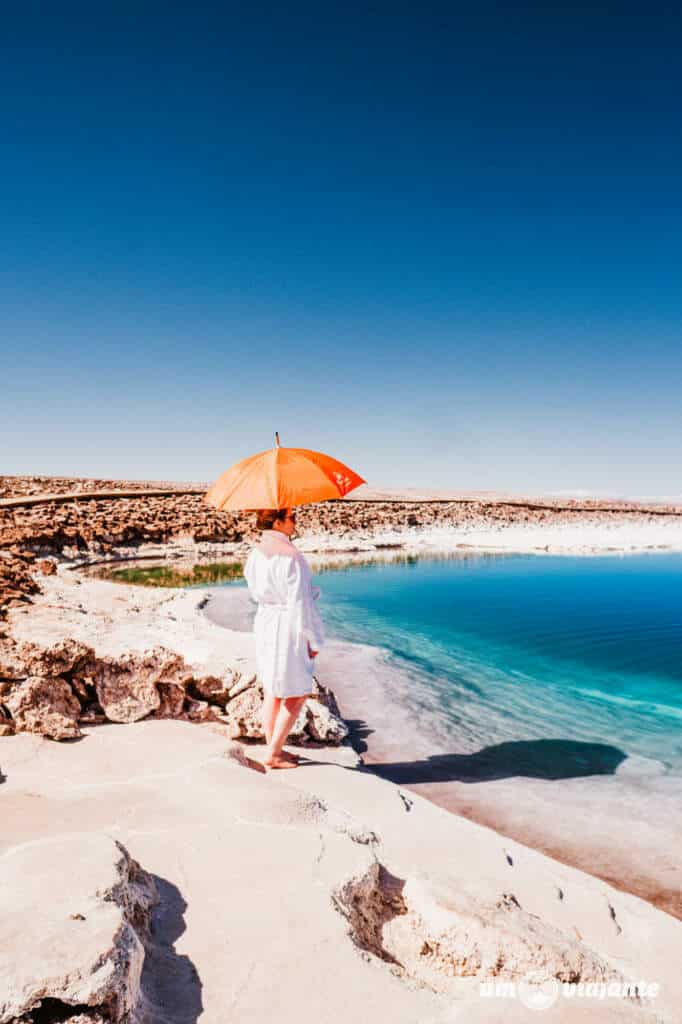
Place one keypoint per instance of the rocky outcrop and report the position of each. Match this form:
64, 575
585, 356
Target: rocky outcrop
322, 722
18, 486
100, 525
218, 690
49, 690
90, 526
16, 577
46, 705
318, 721
127, 687
74, 940
242, 716
431, 934
67, 657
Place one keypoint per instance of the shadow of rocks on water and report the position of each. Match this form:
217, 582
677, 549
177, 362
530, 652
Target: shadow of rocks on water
533, 759
171, 987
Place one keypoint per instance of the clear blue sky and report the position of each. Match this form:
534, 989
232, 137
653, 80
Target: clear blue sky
443, 242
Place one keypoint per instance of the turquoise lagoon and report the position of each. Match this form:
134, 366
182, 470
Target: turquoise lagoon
453, 654
539, 695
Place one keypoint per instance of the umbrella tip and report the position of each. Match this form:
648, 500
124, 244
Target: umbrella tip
277, 438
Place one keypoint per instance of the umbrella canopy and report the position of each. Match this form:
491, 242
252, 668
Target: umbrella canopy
282, 478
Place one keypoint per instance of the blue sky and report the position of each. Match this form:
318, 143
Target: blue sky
444, 246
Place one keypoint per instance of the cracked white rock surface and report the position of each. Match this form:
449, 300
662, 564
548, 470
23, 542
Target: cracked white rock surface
247, 865
74, 910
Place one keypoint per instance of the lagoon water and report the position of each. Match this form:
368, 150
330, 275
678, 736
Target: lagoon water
463, 652
501, 648
539, 695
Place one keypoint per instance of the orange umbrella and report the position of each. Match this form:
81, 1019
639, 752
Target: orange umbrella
282, 478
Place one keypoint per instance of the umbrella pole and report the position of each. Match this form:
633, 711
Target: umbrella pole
277, 439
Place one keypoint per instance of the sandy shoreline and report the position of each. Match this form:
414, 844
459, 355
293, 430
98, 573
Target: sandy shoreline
449, 867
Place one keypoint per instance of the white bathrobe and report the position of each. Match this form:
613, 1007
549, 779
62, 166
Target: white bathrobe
287, 620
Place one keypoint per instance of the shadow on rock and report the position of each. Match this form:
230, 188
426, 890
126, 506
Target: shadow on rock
358, 732
171, 987
533, 759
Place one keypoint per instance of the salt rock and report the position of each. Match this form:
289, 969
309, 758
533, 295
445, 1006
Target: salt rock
172, 700
326, 696
243, 714
65, 656
45, 705
241, 685
212, 689
76, 937
47, 567
83, 687
127, 686
11, 664
324, 725
201, 711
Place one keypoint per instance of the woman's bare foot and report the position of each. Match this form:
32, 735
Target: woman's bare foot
294, 758
280, 762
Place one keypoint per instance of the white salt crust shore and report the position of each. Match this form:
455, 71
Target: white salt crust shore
272, 877
591, 535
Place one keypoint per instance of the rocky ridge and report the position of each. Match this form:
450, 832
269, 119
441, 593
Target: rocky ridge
109, 527
53, 690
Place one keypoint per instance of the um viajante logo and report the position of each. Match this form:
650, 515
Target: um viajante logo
536, 991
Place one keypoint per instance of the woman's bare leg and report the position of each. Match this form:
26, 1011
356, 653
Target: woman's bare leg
269, 714
288, 713
270, 710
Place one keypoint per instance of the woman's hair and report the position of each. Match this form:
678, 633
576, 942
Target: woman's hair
267, 517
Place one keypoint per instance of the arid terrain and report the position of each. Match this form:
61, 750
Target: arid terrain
102, 525
202, 888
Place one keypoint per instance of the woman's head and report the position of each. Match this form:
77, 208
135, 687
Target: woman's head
281, 519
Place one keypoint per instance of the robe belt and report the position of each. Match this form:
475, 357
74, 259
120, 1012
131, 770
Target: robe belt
273, 604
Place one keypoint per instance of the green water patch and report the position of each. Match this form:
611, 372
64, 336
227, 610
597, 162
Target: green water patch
175, 576
163, 574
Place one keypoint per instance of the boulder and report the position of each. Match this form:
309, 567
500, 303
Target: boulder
45, 705
156, 683
214, 689
63, 658
323, 724
243, 715
11, 663
74, 938
127, 687
435, 935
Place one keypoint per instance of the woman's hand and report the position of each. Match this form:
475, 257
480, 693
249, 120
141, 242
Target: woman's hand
311, 652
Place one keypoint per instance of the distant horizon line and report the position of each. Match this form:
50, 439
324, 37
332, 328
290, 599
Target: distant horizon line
427, 493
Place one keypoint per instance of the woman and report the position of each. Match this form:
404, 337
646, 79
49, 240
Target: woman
288, 628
